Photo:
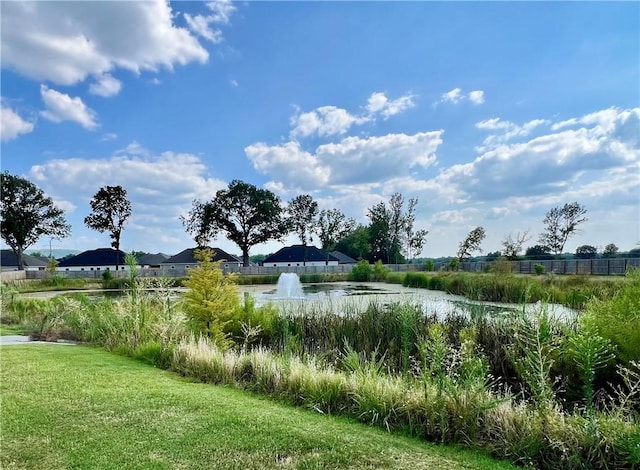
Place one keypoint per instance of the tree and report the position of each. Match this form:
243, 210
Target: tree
538, 252
244, 213
212, 299
610, 251
414, 240
27, 214
332, 226
391, 230
471, 243
586, 252
110, 210
356, 244
303, 211
513, 244
560, 223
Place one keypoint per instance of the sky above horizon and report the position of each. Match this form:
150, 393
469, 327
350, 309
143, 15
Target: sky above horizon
490, 113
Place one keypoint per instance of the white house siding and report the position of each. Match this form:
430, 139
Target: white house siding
308, 263
91, 268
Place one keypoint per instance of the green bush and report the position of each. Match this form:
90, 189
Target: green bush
379, 273
429, 265
538, 268
361, 272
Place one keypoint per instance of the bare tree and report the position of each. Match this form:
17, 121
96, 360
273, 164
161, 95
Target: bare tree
414, 240
512, 244
560, 223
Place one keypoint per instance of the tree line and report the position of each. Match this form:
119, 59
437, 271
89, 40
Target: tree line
247, 216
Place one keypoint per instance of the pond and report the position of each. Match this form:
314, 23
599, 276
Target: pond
340, 297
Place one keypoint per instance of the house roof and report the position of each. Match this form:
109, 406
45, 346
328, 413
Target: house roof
342, 258
186, 257
98, 257
9, 258
152, 260
296, 254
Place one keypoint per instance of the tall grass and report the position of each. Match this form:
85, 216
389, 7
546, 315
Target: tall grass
572, 291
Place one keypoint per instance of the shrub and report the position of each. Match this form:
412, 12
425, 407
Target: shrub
429, 265
538, 268
379, 272
361, 271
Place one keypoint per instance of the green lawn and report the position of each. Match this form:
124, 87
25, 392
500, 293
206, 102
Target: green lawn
78, 407
6, 330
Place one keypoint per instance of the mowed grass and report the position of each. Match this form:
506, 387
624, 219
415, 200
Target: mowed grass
79, 407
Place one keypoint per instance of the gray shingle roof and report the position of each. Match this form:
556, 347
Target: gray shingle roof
98, 257
8, 258
342, 258
186, 257
295, 254
152, 260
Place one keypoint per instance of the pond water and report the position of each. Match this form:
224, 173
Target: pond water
340, 297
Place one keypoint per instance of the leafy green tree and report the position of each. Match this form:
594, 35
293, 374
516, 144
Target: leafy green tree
357, 244
245, 214
333, 226
471, 243
303, 211
586, 252
110, 210
26, 215
610, 251
538, 252
560, 223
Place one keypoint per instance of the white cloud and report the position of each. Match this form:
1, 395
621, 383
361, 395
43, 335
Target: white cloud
507, 131
378, 103
66, 42
221, 12
161, 187
552, 163
234, 83
353, 160
12, 125
330, 120
456, 96
453, 96
324, 121
61, 107
106, 86
476, 97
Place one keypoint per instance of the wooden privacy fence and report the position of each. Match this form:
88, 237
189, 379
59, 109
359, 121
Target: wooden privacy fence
604, 267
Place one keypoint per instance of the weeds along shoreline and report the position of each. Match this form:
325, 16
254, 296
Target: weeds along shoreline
527, 388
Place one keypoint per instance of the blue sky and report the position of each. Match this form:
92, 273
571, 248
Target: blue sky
489, 113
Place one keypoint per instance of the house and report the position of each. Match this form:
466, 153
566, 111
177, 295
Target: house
185, 260
342, 258
299, 255
9, 262
101, 259
152, 261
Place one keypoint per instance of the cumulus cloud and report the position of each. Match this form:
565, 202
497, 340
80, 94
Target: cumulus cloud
330, 120
476, 97
61, 107
160, 187
323, 121
378, 103
66, 42
548, 164
106, 86
353, 160
12, 125
456, 96
507, 130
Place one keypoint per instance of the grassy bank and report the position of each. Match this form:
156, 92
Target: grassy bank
77, 407
525, 387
